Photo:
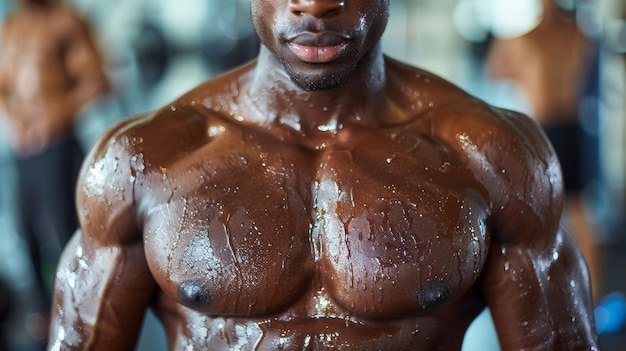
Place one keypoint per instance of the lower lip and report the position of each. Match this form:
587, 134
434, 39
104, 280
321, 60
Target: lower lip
316, 54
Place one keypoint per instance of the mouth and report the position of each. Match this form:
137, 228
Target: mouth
317, 47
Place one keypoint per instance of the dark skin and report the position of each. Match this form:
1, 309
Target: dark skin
379, 209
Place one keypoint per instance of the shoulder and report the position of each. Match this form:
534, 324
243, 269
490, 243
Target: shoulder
461, 120
114, 174
134, 147
128, 161
105, 195
506, 152
510, 156
117, 171
179, 127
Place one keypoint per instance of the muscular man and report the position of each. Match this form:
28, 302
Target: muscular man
322, 197
49, 70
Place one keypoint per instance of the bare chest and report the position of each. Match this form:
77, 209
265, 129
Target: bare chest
382, 232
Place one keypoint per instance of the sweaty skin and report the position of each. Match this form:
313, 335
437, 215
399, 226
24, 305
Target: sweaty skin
351, 204
50, 68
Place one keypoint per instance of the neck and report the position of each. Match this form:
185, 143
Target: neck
278, 100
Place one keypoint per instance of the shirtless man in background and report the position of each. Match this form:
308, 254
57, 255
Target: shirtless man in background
50, 69
324, 196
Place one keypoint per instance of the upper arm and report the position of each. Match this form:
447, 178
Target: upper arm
540, 297
535, 280
103, 285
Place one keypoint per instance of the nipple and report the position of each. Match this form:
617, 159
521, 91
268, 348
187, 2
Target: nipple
433, 294
193, 293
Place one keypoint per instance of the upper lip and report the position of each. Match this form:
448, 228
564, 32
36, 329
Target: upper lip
318, 39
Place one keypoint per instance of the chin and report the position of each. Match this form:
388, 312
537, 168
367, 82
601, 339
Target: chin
319, 81
327, 83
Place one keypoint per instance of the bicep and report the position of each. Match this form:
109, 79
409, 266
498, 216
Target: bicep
101, 294
539, 296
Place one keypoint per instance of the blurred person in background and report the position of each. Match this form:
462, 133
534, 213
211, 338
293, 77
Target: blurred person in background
555, 67
50, 69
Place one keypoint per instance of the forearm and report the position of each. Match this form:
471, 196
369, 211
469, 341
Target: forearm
568, 288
